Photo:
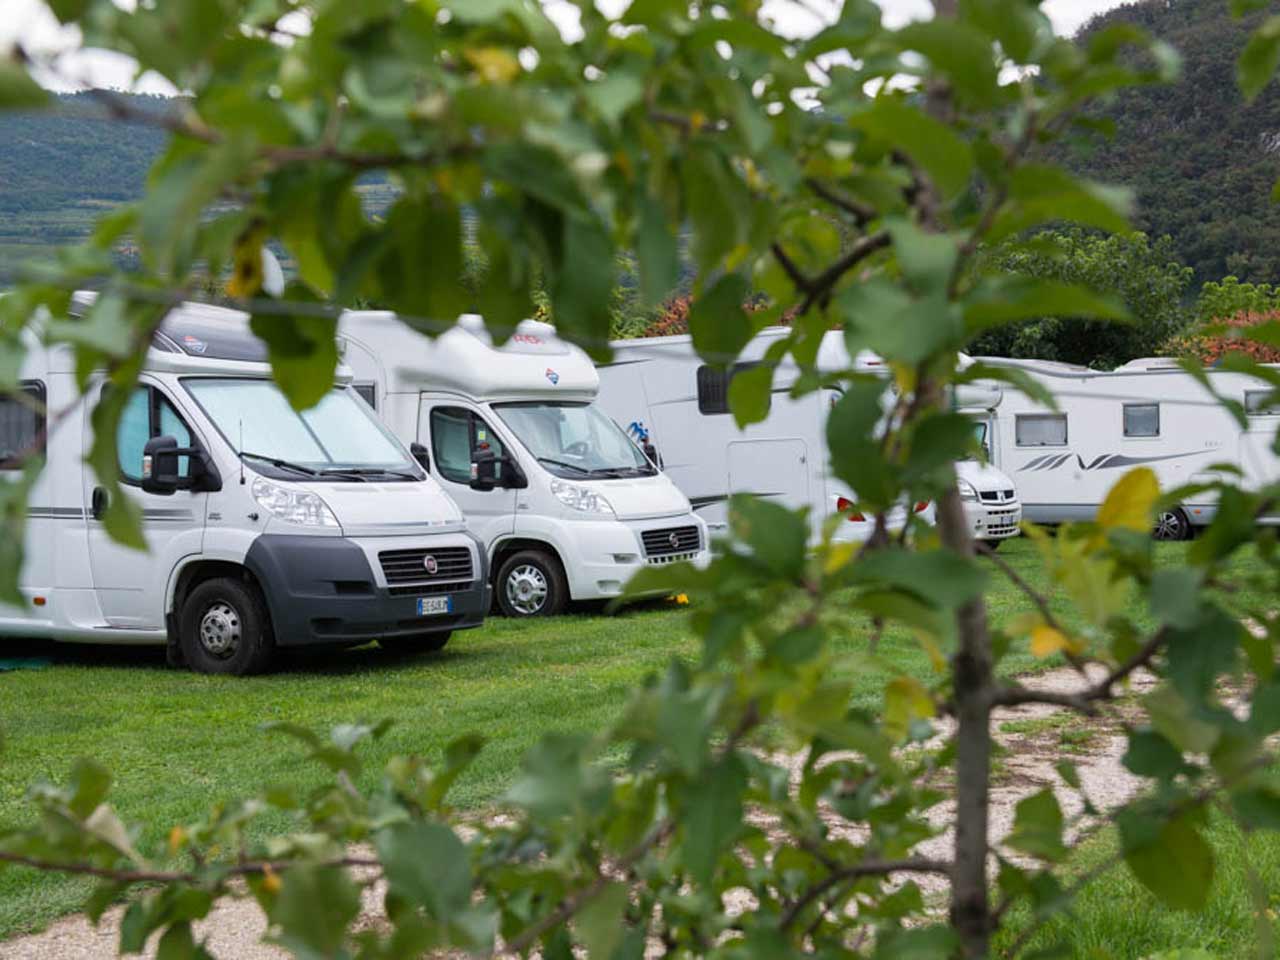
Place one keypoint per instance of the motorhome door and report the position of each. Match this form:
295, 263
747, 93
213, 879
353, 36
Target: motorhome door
453, 432
775, 470
130, 583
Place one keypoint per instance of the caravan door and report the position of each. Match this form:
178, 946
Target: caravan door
453, 430
773, 469
131, 584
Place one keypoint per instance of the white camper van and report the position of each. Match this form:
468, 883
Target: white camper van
266, 528
663, 393
1146, 413
567, 506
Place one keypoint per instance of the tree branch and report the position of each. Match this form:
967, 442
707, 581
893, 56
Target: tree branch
1015, 695
867, 868
249, 868
821, 286
861, 212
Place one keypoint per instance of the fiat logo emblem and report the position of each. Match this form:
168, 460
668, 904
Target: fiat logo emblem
432, 566
674, 541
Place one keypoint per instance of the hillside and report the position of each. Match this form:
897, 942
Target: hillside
1203, 163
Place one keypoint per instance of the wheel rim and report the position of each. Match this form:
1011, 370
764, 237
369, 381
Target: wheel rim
220, 630
526, 589
1169, 526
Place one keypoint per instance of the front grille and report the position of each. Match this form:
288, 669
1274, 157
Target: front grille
672, 540
996, 496
404, 568
431, 589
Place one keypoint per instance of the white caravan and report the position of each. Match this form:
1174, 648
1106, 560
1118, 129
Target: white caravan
1146, 413
568, 507
664, 394
266, 528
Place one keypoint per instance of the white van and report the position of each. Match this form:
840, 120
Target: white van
567, 506
1149, 413
266, 528
664, 394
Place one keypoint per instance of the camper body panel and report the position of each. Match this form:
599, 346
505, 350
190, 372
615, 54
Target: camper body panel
1145, 414
458, 394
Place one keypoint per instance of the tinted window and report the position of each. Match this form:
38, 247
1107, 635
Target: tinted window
713, 387
455, 436
148, 414
368, 392
1261, 403
21, 426
1041, 430
1142, 420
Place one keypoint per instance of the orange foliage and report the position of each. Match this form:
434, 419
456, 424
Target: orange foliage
1209, 347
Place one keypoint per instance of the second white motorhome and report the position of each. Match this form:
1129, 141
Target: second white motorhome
568, 507
1148, 413
661, 391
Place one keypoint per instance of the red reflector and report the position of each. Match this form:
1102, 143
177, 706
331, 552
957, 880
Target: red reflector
38, 601
844, 505
922, 506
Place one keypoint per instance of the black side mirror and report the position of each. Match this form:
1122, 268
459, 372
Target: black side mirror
419, 453
160, 465
484, 470
651, 452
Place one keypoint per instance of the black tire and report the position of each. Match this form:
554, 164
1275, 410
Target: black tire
224, 627
531, 584
417, 643
1171, 525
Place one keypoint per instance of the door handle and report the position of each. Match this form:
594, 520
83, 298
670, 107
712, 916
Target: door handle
98, 503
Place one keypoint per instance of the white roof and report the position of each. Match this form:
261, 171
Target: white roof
533, 364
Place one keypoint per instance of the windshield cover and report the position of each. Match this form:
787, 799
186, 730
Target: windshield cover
575, 440
338, 433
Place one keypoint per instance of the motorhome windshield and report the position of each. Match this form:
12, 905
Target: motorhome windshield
336, 439
575, 440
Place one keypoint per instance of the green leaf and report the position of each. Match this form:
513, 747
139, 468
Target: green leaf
428, 866
656, 252
718, 206
1037, 827
856, 458
1151, 755
68, 10
958, 51
777, 536
582, 283
718, 323
303, 353
941, 577
942, 153
17, 90
1200, 653
315, 906
917, 943
599, 925
1171, 859
1175, 595
556, 779
713, 817
1260, 59
1043, 194
90, 783
615, 94
1007, 299
1018, 26
421, 271
927, 259
750, 392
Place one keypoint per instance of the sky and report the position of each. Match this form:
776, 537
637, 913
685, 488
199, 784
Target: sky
30, 23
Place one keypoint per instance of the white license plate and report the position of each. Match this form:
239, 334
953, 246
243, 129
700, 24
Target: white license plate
433, 606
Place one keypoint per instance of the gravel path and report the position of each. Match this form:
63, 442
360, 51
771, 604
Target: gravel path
235, 929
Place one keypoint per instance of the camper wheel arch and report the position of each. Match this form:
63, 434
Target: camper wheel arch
559, 582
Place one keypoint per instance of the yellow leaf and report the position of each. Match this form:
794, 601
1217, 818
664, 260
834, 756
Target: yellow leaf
270, 879
838, 556
1047, 640
1129, 504
177, 837
494, 64
246, 274
905, 699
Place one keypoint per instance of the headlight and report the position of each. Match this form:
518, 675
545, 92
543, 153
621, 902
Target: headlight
581, 499
292, 505
967, 491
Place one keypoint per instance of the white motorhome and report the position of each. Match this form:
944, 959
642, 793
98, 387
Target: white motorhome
567, 506
265, 528
662, 392
1146, 413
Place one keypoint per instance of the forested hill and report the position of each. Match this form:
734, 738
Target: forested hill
74, 153
1203, 162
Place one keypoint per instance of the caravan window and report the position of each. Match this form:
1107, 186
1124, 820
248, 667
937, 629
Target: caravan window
147, 414
21, 425
368, 393
1041, 430
713, 387
1142, 419
1261, 403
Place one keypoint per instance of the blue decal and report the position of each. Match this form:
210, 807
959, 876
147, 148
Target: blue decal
638, 431
553, 376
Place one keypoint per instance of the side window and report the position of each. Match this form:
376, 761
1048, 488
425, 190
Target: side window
1261, 403
368, 392
713, 387
1142, 419
1041, 430
148, 414
22, 425
456, 434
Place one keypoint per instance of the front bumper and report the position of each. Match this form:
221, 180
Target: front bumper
602, 557
329, 590
990, 521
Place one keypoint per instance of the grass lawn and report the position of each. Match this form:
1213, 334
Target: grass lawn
178, 742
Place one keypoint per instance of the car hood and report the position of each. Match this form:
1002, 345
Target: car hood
983, 476
641, 498
390, 509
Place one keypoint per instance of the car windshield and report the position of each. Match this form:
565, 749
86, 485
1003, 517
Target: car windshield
337, 438
575, 440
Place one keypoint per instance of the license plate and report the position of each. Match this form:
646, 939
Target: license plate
433, 606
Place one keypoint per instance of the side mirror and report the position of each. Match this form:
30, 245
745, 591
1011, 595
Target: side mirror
651, 452
484, 471
160, 465
419, 453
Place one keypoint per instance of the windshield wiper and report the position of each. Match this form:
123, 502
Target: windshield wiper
568, 466
282, 464
619, 472
365, 472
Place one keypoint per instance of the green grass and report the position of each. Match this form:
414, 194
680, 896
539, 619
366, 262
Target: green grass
178, 742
